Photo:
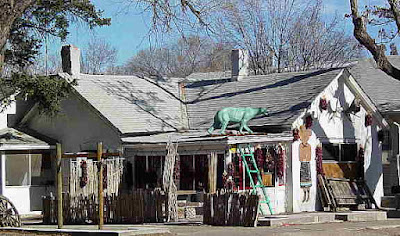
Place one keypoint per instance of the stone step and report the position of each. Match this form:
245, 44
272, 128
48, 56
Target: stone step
321, 217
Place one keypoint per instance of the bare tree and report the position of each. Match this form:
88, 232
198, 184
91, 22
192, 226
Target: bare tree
389, 16
287, 35
98, 56
179, 59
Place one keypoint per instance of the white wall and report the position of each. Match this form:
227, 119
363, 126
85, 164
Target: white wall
20, 197
335, 126
77, 127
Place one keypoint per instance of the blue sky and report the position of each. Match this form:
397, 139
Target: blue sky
129, 28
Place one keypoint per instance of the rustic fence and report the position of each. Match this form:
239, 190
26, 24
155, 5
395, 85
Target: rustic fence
141, 206
230, 209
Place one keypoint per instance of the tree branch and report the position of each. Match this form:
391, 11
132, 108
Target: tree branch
377, 51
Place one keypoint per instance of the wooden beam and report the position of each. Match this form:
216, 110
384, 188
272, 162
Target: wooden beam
90, 155
59, 187
101, 199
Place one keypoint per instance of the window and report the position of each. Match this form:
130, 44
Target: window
17, 170
28, 169
342, 152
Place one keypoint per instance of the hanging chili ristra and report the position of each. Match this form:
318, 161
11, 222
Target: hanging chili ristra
84, 177
368, 120
258, 153
360, 162
323, 103
280, 162
309, 121
105, 176
318, 159
296, 135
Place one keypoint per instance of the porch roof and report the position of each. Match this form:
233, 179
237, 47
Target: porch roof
201, 136
12, 139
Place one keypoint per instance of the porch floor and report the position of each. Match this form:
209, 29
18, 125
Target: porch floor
321, 217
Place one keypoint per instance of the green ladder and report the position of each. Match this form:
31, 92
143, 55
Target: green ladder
249, 171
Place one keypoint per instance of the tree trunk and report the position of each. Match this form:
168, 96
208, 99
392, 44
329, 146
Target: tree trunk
377, 51
9, 11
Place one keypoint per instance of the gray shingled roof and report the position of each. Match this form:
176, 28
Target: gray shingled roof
133, 104
382, 89
10, 136
285, 95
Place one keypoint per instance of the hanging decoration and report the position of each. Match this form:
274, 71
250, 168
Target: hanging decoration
105, 176
270, 160
296, 135
323, 103
258, 153
84, 177
368, 120
309, 121
177, 170
318, 159
360, 162
280, 163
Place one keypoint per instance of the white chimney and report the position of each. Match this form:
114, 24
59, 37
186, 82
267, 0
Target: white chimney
240, 64
71, 63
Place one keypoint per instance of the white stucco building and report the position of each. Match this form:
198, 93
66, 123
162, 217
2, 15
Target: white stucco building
138, 116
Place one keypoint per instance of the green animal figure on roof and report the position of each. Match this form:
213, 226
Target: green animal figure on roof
240, 115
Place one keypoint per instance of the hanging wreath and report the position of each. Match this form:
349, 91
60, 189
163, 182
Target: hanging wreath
318, 159
368, 120
296, 134
105, 176
323, 103
309, 121
84, 177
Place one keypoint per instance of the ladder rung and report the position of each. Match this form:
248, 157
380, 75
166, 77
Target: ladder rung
247, 155
253, 171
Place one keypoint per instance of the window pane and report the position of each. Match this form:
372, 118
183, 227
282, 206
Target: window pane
17, 169
41, 171
330, 151
349, 152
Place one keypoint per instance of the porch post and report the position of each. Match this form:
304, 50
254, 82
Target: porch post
59, 188
2, 172
212, 172
101, 199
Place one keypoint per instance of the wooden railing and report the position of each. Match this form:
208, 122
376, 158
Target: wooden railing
141, 206
230, 209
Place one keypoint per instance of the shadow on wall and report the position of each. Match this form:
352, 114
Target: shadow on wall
374, 170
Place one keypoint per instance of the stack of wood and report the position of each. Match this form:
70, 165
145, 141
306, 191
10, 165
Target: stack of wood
231, 209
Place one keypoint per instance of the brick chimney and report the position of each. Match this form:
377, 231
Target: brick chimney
240, 64
71, 63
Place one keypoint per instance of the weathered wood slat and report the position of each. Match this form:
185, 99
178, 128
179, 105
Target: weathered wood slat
136, 207
230, 209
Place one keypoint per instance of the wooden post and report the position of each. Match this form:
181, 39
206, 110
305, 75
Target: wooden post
59, 188
101, 199
212, 172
